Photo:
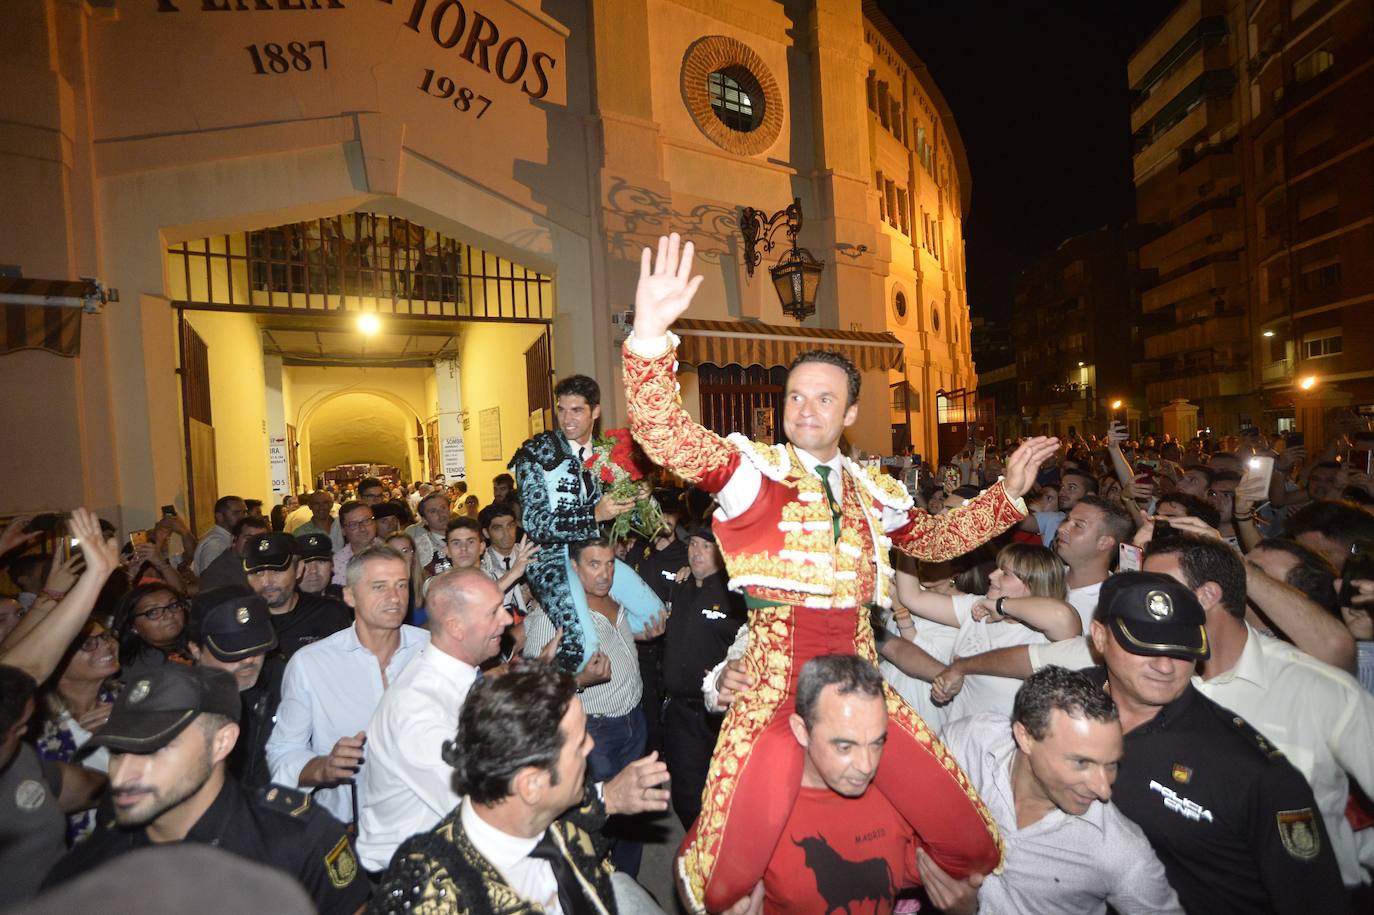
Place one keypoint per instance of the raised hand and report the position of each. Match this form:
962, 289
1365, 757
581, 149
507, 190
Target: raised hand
1024, 465
101, 553
654, 628
665, 287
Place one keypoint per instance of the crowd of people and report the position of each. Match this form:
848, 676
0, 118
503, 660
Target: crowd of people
1050, 676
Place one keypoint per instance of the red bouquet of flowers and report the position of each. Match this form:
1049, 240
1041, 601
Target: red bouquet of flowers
622, 469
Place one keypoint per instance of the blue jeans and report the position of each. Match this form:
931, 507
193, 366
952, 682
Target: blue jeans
617, 742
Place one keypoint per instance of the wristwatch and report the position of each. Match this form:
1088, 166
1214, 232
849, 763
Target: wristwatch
998, 607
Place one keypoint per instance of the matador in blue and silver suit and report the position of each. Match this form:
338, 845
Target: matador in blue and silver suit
558, 508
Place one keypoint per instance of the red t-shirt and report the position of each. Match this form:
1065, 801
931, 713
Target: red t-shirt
851, 854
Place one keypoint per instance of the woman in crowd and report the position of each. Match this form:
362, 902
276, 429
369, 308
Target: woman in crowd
151, 624
77, 702
403, 544
1024, 604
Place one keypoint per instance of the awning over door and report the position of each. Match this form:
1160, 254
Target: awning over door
750, 343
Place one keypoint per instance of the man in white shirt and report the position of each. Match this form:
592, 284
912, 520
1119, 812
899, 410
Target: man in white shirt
228, 511
1318, 716
407, 785
528, 834
1088, 541
1047, 780
331, 687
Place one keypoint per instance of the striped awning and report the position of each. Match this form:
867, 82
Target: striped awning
36, 325
750, 343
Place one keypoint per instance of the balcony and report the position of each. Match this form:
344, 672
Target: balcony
1206, 280
1198, 387
1210, 231
1199, 336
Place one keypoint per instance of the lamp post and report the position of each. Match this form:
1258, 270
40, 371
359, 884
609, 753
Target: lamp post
797, 275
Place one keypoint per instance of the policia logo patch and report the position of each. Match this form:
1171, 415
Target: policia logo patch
341, 864
1298, 830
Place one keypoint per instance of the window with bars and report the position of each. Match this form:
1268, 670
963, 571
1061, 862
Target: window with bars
733, 93
363, 261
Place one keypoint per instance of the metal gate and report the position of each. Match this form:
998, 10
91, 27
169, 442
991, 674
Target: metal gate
745, 400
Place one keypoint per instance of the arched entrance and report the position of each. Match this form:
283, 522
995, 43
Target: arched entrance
377, 339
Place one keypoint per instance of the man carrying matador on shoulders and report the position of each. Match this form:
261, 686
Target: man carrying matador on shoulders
805, 534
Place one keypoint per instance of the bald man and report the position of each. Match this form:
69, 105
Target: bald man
407, 785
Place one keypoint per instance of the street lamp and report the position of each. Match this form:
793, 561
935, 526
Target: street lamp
1116, 405
1267, 333
1308, 383
797, 275
369, 324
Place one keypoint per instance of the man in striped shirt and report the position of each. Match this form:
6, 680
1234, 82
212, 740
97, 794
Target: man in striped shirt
609, 686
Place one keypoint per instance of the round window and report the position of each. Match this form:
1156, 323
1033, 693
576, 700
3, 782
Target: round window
736, 98
935, 319
732, 95
899, 304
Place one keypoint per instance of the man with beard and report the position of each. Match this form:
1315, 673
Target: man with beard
169, 735
316, 554
230, 629
564, 505
275, 573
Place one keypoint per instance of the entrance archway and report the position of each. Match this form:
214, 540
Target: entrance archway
358, 428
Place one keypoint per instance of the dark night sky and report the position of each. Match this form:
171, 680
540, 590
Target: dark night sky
1039, 93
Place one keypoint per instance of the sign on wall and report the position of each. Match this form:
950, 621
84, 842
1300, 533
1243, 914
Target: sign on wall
455, 460
489, 424
277, 461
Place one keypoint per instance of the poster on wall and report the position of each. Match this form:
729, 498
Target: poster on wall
455, 460
276, 460
763, 425
489, 424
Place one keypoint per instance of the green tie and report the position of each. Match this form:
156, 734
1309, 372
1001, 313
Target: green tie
823, 471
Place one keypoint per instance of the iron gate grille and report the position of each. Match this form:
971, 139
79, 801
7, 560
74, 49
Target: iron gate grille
356, 261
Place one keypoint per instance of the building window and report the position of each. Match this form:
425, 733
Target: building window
899, 304
731, 100
732, 95
883, 112
1313, 65
1322, 343
1320, 277
872, 91
1315, 201
935, 319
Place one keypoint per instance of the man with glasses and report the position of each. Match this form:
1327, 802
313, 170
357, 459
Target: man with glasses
360, 532
1222, 496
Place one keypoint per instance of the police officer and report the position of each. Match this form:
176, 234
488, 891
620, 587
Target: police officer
169, 735
231, 629
1233, 822
316, 554
276, 566
704, 619
659, 562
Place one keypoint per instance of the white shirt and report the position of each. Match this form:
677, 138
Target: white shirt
937, 640
531, 878
617, 696
215, 541
1084, 600
986, 693
1317, 715
330, 690
1061, 864
407, 785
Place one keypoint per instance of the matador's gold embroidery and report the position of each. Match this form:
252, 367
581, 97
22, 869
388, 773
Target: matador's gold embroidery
660, 425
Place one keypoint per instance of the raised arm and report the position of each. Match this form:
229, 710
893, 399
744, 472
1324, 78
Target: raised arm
931, 605
657, 420
1307, 625
940, 537
1055, 618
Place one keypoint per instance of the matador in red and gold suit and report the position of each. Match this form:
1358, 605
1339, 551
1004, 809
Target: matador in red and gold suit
810, 561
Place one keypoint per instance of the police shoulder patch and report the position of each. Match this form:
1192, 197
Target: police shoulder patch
1299, 833
284, 800
341, 864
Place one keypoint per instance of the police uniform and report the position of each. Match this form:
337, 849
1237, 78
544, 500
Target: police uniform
231, 624
1233, 822
276, 826
702, 626
320, 546
659, 569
